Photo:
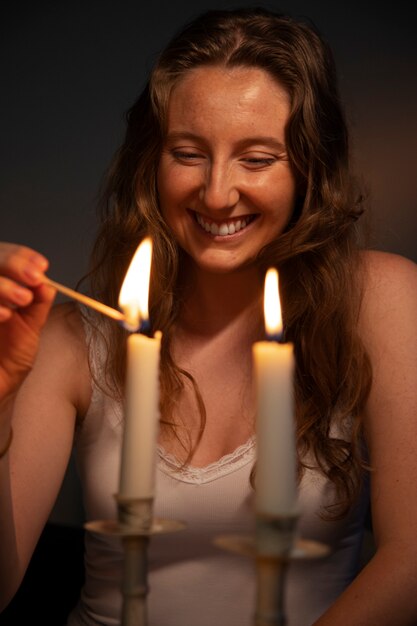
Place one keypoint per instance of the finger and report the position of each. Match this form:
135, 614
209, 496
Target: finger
37, 313
22, 264
13, 294
5, 313
44, 293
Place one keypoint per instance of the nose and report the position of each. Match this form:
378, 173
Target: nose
219, 191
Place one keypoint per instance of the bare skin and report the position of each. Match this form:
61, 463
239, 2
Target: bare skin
58, 387
384, 592
45, 392
224, 166
42, 414
215, 345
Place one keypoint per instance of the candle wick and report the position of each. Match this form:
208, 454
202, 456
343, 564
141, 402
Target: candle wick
145, 327
277, 337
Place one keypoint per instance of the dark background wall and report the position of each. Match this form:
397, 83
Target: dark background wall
69, 71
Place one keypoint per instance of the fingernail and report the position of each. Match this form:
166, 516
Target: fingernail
21, 295
33, 274
39, 261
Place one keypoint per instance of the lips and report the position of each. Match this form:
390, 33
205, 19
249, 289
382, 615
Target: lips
225, 227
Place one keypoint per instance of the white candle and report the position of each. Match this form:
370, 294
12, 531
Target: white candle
137, 475
141, 419
276, 482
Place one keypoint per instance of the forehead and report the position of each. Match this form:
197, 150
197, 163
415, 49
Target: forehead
248, 96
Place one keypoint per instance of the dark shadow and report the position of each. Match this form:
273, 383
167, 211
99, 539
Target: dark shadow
53, 580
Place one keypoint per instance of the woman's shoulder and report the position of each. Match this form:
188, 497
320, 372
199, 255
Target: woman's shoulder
385, 267
389, 300
65, 326
63, 347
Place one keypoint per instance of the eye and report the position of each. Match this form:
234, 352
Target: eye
257, 161
186, 156
258, 158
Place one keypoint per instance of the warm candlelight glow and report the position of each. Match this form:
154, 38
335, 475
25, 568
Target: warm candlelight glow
133, 297
272, 305
141, 424
276, 483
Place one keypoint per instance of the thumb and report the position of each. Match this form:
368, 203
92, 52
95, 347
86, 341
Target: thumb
37, 313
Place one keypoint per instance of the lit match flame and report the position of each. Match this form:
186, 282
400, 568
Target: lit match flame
134, 293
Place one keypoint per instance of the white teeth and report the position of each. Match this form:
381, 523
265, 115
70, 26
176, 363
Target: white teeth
222, 229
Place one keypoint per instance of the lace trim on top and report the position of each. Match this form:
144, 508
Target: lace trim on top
227, 464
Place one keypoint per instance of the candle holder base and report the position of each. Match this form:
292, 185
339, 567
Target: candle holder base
117, 529
273, 547
135, 526
245, 545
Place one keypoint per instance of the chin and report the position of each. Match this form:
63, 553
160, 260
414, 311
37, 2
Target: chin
222, 266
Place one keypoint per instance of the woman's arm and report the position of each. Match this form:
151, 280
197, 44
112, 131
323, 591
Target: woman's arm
384, 593
45, 384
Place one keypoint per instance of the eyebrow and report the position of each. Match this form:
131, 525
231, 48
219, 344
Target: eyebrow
245, 142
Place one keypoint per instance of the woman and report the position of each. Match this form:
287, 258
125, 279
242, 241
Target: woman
236, 158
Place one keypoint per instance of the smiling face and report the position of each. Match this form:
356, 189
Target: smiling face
226, 188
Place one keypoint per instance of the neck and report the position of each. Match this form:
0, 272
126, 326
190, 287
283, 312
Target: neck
213, 301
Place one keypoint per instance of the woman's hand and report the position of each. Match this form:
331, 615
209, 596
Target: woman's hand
24, 306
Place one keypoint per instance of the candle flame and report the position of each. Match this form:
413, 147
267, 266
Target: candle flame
133, 297
272, 305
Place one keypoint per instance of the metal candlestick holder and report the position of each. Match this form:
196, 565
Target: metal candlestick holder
135, 525
273, 546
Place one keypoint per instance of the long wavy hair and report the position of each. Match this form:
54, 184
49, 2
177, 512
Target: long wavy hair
317, 255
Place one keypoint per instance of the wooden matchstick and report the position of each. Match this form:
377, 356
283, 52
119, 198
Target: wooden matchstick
93, 304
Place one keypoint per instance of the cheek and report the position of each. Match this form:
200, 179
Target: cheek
169, 182
281, 202
177, 191
169, 196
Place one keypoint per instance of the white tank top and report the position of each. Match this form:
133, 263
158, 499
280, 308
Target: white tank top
193, 582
